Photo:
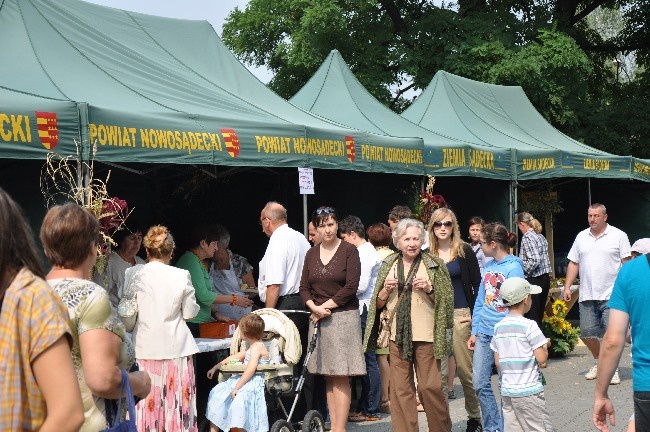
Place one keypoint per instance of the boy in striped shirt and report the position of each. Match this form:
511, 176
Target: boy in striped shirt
520, 349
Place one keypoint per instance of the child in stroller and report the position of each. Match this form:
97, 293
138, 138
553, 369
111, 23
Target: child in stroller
282, 341
238, 403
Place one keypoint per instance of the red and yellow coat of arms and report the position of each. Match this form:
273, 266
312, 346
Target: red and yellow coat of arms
48, 129
350, 151
232, 141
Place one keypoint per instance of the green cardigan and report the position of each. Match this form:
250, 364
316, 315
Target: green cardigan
443, 304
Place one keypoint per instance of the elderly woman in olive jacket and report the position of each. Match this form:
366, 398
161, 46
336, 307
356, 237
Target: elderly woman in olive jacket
424, 355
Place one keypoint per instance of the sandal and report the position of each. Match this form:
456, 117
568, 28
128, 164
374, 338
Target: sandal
356, 418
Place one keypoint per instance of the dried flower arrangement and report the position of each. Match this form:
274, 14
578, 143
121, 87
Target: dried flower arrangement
424, 203
69, 179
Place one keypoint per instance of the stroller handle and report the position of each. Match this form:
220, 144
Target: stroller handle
297, 311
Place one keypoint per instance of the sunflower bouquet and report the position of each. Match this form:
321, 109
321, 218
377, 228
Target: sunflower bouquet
564, 337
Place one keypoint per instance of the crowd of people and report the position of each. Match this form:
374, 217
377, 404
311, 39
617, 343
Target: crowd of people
413, 304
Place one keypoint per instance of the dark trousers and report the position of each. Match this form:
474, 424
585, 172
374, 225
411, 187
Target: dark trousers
370, 398
536, 312
306, 399
642, 411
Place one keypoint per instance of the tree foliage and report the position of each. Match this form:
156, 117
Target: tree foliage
562, 60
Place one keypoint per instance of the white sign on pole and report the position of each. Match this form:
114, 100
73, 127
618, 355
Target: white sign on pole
306, 181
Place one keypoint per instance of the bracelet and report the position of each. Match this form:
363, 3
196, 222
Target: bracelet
234, 300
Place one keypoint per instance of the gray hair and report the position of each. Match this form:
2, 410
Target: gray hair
403, 225
275, 211
223, 237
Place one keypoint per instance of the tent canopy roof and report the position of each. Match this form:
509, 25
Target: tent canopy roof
163, 90
335, 93
502, 116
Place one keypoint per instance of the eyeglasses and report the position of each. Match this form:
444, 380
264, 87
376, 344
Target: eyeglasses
324, 210
262, 220
447, 224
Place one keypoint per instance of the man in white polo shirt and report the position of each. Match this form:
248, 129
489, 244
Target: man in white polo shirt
279, 280
281, 266
597, 254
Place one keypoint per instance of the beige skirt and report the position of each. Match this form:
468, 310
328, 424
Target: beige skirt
338, 349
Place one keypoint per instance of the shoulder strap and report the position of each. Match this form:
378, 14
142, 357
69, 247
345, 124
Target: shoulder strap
392, 313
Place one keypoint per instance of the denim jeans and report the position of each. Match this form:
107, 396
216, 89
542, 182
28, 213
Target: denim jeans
369, 402
482, 379
594, 316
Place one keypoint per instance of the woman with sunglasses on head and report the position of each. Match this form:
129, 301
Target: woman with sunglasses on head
495, 242
446, 243
415, 288
533, 251
328, 287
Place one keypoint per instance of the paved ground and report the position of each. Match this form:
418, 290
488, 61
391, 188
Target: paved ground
569, 397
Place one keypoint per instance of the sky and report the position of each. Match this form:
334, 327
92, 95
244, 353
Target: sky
214, 11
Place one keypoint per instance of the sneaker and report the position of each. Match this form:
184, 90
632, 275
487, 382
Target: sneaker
474, 425
592, 373
451, 394
615, 379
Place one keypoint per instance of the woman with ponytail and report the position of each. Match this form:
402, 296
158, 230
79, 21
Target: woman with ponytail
489, 309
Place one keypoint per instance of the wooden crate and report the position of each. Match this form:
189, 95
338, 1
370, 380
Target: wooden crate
217, 329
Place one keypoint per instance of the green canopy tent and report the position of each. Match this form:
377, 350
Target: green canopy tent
335, 93
31, 126
161, 90
502, 116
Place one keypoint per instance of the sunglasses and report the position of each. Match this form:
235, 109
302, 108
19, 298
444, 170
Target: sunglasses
447, 224
324, 210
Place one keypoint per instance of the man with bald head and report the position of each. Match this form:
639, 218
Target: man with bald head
281, 267
279, 281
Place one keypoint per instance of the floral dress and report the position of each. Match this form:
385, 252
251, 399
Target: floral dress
247, 410
90, 309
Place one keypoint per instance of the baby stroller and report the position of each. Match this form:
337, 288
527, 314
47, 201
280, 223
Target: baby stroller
282, 340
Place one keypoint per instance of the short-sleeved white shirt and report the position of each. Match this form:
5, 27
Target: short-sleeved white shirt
599, 259
282, 262
370, 262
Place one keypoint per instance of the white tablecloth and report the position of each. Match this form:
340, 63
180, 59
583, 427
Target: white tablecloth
207, 345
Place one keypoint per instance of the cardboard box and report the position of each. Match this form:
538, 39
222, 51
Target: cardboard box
217, 330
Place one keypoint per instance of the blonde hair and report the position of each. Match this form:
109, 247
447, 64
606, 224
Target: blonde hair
529, 219
456, 241
159, 242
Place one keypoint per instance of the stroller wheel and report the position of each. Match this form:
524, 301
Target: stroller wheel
281, 426
313, 422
